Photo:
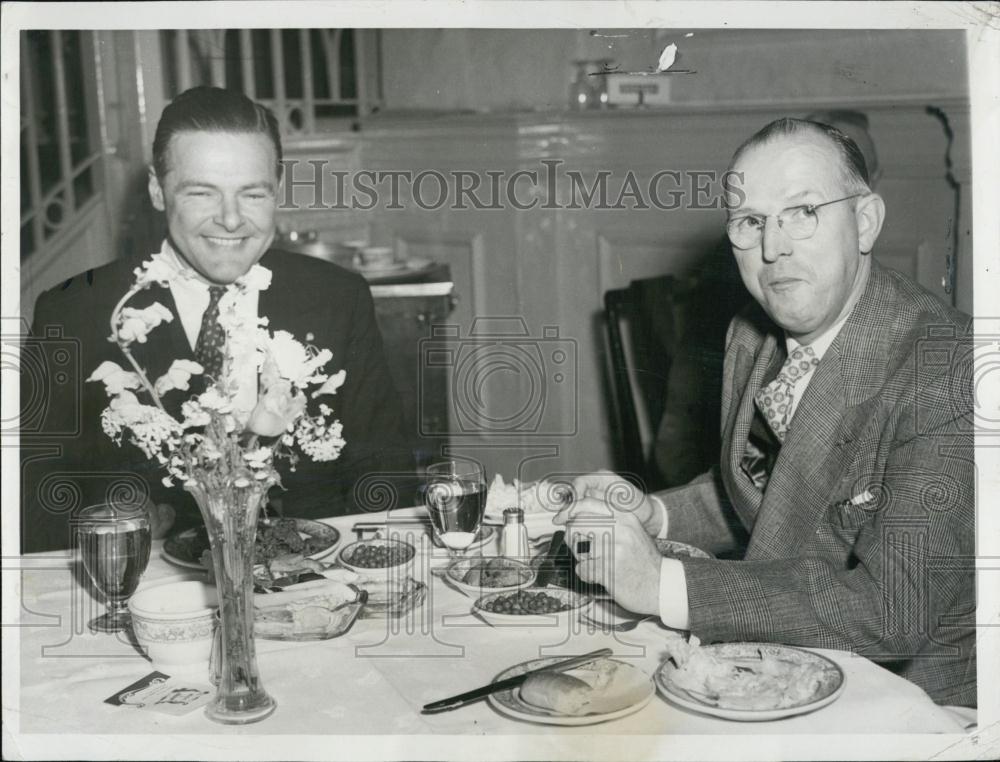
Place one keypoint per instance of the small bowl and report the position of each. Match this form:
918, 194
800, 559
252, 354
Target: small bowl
174, 623
458, 569
573, 601
400, 570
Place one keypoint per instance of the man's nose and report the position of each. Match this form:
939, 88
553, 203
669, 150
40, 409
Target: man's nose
774, 242
228, 214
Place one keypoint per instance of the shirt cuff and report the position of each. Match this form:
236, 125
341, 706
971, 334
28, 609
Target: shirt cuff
662, 533
673, 594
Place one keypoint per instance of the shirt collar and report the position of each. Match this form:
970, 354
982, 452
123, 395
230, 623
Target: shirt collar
190, 276
822, 342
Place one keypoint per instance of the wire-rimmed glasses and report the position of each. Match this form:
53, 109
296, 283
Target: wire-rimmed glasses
797, 222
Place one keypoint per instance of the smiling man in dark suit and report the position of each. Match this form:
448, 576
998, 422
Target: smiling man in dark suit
216, 176
845, 488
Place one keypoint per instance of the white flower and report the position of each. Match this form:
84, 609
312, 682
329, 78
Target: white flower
177, 376
158, 269
258, 458
276, 411
152, 430
194, 414
213, 399
258, 278
133, 324
311, 369
331, 385
290, 356
116, 379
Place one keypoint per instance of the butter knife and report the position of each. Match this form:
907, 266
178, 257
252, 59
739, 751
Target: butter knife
460, 700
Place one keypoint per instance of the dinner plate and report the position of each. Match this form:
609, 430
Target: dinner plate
828, 688
185, 548
510, 703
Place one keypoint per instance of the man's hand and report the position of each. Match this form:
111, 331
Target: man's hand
618, 554
618, 495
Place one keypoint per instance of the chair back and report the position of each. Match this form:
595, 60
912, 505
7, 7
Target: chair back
642, 337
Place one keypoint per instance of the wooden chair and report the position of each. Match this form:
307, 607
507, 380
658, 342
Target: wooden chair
642, 338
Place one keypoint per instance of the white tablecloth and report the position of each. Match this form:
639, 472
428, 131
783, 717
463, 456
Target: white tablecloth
374, 679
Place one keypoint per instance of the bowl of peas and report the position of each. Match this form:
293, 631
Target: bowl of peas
530, 607
378, 558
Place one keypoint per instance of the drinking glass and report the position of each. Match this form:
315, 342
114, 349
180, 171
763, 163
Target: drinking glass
114, 544
456, 500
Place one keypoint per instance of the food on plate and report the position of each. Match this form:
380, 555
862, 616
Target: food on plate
314, 610
523, 602
603, 686
378, 555
496, 572
280, 537
757, 681
531, 497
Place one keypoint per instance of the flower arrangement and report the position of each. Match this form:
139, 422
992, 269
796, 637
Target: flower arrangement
214, 444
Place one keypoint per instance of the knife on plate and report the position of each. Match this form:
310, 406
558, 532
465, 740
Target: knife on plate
454, 702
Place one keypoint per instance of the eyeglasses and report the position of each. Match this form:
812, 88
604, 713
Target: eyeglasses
798, 222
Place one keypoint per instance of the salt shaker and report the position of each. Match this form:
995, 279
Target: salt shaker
514, 539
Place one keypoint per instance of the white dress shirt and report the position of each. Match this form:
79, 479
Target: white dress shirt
673, 584
191, 297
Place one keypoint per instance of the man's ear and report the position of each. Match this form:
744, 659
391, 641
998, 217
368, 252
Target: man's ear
870, 214
156, 191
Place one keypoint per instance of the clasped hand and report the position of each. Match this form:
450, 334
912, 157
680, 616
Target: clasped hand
609, 528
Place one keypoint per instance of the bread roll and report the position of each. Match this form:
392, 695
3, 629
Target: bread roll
558, 692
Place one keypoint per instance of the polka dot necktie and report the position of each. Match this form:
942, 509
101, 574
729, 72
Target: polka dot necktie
775, 401
211, 337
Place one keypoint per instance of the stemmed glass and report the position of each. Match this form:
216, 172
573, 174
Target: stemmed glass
456, 500
114, 544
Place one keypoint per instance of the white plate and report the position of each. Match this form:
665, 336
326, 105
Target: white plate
456, 571
509, 701
830, 688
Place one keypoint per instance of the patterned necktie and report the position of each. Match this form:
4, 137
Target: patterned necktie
775, 401
211, 337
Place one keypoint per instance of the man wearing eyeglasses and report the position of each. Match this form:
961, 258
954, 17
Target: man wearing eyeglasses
845, 489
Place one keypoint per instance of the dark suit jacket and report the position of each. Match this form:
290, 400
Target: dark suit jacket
68, 461
888, 412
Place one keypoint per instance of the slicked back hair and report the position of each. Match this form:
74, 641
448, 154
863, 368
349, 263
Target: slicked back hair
212, 109
854, 170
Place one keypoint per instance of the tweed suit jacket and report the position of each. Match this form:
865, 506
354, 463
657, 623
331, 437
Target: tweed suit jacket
69, 462
863, 539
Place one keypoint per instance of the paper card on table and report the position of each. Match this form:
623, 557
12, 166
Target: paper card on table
131, 694
167, 695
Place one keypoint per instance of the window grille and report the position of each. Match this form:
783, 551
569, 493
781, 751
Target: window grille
61, 140
310, 78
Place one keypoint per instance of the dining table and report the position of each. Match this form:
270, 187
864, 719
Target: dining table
365, 689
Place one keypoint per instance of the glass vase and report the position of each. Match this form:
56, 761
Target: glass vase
230, 514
